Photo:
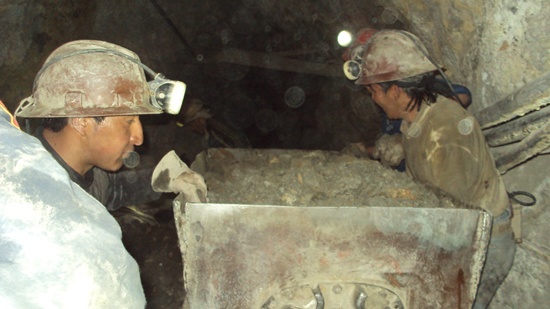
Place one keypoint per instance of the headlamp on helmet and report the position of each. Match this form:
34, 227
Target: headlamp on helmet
86, 78
167, 94
352, 67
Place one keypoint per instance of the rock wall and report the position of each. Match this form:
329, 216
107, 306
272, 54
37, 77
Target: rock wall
494, 47
31, 30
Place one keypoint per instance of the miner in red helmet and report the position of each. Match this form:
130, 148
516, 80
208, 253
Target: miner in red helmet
443, 144
387, 148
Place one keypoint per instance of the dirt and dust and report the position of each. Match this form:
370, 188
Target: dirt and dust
307, 178
270, 177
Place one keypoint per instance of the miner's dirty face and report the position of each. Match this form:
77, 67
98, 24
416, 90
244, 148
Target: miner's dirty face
110, 140
385, 99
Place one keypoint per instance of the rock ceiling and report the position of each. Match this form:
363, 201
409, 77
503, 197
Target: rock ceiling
257, 50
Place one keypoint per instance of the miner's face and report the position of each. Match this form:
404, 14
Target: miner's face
112, 139
386, 100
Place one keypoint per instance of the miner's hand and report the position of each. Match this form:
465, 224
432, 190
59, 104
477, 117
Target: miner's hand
173, 175
389, 149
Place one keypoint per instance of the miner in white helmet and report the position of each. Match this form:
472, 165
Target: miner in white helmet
60, 249
443, 144
89, 95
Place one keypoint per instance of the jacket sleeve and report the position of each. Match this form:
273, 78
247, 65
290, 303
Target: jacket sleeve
462, 165
455, 169
59, 247
124, 188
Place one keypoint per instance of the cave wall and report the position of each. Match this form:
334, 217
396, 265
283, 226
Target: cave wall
494, 47
31, 30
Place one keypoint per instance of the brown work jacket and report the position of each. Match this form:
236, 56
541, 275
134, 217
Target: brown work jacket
445, 147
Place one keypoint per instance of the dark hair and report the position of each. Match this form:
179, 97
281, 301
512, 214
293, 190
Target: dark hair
417, 87
57, 124
452, 92
426, 88
54, 124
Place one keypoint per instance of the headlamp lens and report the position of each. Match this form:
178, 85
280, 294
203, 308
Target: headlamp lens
352, 70
167, 94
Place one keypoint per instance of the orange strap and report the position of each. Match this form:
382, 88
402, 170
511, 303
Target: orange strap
13, 121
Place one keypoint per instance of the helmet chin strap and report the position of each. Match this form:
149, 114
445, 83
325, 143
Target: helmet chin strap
25, 102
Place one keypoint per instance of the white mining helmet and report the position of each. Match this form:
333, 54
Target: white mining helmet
88, 78
389, 55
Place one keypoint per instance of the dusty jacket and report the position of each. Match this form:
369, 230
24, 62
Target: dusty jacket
445, 147
59, 247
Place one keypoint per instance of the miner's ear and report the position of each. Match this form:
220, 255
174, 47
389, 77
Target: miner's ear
394, 91
79, 124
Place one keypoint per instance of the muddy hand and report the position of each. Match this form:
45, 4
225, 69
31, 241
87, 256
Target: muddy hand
389, 149
192, 186
173, 175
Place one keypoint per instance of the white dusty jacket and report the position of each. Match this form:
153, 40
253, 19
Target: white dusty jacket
59, 247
